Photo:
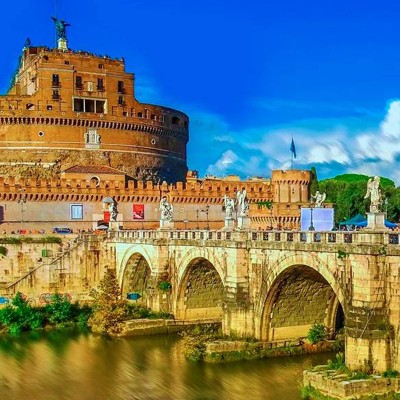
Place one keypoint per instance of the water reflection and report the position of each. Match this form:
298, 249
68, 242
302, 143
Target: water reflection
67, 365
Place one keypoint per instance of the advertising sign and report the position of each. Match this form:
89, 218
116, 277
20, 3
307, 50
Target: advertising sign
138, 211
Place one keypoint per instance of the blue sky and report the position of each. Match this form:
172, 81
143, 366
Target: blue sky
250, 74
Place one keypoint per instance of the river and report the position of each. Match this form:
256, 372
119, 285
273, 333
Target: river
65, 365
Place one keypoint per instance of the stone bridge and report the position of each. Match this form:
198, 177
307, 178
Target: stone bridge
273, 285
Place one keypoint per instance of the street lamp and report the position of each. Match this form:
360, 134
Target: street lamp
311, 227
22, 201
206, 211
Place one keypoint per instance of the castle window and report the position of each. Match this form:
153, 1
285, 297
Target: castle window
100, 84
152, 116
140, 115
100, 107
56, 95
78, 105
89, 105
78, 83
49, 107
30, 106
175, 120
66, 62
76, 211
101, 66
120, 100
56, 80
121, 87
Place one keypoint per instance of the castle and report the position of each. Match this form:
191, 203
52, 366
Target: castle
72, 135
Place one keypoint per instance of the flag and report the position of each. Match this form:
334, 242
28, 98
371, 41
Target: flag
293, 148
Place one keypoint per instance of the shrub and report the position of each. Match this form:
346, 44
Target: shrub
109, 309
20, 316
164, 286
3, 250
338, 363
391, 373
194, 341
60, 310
317, 333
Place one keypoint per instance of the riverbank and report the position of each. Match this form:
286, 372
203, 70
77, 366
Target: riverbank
229, 350
322, 383
147, 326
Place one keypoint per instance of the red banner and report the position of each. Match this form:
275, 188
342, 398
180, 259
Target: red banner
138, 211
106, 216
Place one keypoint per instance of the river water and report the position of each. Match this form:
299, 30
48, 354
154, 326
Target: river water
60, 365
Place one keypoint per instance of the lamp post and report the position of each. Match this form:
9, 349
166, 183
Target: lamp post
22, 201
311, 227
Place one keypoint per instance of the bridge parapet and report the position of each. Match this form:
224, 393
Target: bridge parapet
331, 237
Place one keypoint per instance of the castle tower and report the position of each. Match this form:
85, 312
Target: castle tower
68, 108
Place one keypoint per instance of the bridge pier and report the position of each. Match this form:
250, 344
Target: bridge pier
369, 332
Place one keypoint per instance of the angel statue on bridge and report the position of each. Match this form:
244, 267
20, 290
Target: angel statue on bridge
229, 207
166, 209
374, 192
318, 198
243, 203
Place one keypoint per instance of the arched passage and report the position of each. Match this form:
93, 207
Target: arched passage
298, 298
136, 277
200, 292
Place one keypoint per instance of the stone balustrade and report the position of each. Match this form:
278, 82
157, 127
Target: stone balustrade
332, 237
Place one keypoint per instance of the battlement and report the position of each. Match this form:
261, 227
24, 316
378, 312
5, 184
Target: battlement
201, 191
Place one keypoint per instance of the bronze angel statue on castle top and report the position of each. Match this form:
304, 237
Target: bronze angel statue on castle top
60, 27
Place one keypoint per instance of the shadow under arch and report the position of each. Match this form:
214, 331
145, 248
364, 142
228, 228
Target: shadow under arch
136, 278
299, 297
200, 291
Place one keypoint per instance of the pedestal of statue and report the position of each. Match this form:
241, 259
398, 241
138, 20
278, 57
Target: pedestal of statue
62, 44
166, 224
113, 226
243, 222
376, 221
229, 224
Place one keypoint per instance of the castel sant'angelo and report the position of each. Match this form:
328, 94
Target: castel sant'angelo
72, 134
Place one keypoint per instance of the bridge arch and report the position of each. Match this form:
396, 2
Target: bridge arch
135, 273
299, 292
200, 287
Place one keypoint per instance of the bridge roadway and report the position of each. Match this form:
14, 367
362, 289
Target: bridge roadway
273, 285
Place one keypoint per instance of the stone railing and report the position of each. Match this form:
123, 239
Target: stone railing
332, 237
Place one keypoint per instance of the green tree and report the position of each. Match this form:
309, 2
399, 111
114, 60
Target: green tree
314, 184
109, 309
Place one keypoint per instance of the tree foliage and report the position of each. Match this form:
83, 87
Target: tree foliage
347, 192
109, 309
314, 184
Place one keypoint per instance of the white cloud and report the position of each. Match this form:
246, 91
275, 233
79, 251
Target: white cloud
390, 127
362, 144
221, 167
